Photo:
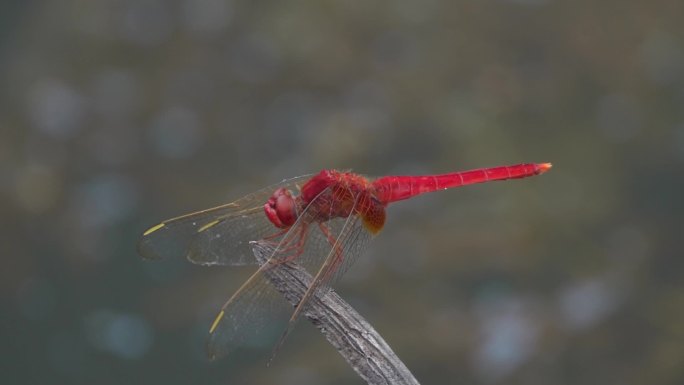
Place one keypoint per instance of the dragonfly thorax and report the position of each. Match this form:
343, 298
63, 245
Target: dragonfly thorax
281, 208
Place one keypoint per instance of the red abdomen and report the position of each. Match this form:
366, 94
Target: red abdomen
394, 188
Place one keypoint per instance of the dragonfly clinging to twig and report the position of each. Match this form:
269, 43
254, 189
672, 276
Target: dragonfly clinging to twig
322, 222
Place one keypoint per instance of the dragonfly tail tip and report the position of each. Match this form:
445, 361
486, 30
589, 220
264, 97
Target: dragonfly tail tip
544, 167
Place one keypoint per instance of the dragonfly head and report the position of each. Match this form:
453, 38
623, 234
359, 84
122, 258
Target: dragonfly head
281, 208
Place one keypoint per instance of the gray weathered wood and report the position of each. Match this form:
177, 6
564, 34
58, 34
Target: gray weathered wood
352, 336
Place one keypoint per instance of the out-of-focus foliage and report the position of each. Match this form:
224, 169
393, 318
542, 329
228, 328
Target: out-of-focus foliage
117, 114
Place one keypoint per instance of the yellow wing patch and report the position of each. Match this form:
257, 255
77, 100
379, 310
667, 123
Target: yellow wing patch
153, 229
218, 319
208, 225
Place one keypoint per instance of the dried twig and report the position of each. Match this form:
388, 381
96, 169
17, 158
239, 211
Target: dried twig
355, 339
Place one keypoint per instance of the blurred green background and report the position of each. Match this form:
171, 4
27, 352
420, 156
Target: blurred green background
117, 114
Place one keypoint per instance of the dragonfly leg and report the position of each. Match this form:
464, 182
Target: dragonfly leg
275, 235
275, 243
293, 251
298, 247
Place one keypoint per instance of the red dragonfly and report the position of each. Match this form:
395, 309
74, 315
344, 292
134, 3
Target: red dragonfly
322, 222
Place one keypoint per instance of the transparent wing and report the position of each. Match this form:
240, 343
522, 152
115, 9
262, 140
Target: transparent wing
326, 248
216, 236
347, 239
332, 247
253, 312
253, 317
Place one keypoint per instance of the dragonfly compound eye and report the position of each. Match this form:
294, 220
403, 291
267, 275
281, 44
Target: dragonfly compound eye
281, 208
